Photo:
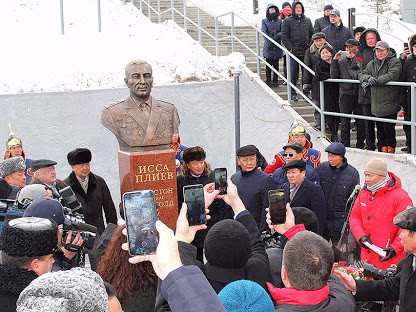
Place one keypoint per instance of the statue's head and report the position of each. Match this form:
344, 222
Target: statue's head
139, 79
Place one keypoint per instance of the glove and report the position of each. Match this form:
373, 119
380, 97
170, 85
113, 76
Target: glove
365, 84
390, 254
372, 81
364, 239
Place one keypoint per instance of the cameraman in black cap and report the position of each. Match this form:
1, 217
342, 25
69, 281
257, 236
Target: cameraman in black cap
253, 184
27, 245
90, 189
402, 286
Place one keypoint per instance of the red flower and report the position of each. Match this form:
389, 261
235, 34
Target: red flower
359, 59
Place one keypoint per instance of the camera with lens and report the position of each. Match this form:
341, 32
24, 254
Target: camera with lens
88, 236
377, 273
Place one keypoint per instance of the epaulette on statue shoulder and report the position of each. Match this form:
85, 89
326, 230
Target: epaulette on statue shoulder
164, 102
113, 104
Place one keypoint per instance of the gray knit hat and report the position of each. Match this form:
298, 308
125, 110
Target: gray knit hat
377, 166
78, 289
30, 193
10, 165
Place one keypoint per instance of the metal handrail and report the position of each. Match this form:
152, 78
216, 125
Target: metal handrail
289, 55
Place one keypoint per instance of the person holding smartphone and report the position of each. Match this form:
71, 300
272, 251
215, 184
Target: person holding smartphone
195, 170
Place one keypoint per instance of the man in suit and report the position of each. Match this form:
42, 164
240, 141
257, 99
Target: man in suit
141, 122
300, 192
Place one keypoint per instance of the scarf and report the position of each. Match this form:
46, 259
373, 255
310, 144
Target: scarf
298, 297
380, 184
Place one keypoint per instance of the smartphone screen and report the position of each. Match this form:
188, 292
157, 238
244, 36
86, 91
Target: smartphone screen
277, 206
344, 53
220, 175
194, 199
141, 216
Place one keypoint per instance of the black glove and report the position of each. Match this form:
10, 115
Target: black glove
365, 84
372, 81
390, 254
364, 239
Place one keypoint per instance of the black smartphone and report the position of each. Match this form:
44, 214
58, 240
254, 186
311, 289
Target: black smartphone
277, 206
194, 198
141, 215
406, 45
220, 175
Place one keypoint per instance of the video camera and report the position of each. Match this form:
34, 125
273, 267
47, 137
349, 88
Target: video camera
377, 273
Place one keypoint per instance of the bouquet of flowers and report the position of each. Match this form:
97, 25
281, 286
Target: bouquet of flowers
355, 271
360, 62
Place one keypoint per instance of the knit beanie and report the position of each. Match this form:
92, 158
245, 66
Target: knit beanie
11, 165
328, 7
245, 296
227, 245
78, 289
377, 166
28, 237
30, 193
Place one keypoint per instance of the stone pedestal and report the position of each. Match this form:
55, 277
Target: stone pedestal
153, 170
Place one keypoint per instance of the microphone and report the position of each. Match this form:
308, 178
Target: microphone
356, 190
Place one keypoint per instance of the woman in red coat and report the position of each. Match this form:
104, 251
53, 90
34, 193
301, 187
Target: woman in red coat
371, 220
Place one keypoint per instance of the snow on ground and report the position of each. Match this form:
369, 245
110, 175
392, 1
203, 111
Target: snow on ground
37, 58
393, 32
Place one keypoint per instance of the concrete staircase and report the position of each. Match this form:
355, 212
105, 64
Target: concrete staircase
248, 36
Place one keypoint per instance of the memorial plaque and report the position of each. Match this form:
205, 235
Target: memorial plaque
153, 170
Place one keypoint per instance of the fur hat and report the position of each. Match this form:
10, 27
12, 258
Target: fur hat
377, 166
30, 193
246, 296
227, 245
29, 237
412, 41
77, 289
194, 153
79, 156
406, 219
336, 148
11, 165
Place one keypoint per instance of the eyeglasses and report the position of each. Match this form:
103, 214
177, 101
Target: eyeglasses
288, 155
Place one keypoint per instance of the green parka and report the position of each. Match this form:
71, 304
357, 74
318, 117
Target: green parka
384, 99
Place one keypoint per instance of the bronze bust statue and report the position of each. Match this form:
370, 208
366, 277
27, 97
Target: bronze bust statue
141, 122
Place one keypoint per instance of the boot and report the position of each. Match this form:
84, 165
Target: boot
384, 149
390, 149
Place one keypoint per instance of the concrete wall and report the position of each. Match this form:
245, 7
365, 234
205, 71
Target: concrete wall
52, 124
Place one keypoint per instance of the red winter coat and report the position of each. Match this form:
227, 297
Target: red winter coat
373, 216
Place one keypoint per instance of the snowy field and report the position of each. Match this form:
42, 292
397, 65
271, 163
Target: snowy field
37, 58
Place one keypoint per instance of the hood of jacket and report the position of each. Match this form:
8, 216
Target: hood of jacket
363, 43
271, 5
293, 9
412, 42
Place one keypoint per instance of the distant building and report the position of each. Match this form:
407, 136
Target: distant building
408, 10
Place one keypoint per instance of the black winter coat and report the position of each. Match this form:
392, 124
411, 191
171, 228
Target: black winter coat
331, 89
340, 70
297, 32
218, 210
408, 74
336, 36
367, 54
321, 23
12, 282
97, 199
339, 299
400, 287
337, 184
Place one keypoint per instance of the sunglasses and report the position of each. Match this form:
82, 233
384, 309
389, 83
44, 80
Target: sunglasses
288, 155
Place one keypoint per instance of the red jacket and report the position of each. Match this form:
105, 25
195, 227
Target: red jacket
373, 215
311, 156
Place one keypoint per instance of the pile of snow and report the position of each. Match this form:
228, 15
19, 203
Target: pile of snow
37, 58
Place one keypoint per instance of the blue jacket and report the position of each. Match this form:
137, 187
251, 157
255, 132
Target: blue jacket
272, 28
253, 188
280, 178
337, 184
309, 195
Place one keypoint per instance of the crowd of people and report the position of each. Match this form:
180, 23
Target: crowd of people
227, 264
331, 50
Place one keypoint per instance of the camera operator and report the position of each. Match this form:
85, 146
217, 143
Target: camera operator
401, 286
68, 254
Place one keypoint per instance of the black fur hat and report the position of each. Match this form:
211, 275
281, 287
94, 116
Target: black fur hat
194, 153
79, 156
29, 237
